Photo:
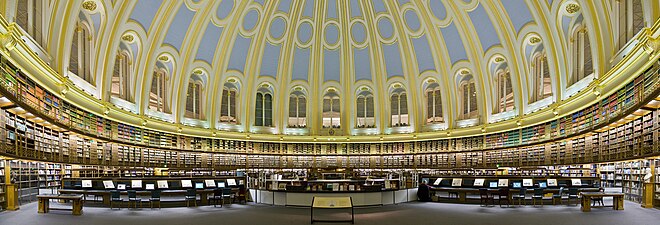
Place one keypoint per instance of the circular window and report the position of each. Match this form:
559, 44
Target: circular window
277, 27
385, 28
331, 34
224, 9
250, 20
304, 32
359, 32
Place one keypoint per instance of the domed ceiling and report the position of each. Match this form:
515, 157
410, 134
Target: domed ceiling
337, 67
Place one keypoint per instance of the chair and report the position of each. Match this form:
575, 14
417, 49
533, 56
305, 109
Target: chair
191, 195
558, 196
133, 198
573, 194
217, 196
242, 195
598, 200
115, 196
520, 196
453, 194
484, 197
226, 194
538, 195
503, 195
155, 197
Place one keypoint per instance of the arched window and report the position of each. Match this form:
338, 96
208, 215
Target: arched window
581, 55
228, 106
399, 108
120, 77
263, 116
630, 19
365, 110
433, 104
504, 91
80, 59
29, 17
158, 92
469, 94
193, 101
297, 109
331, 110
542, 87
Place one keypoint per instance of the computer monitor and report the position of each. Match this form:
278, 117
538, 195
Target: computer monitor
517, 185
543, 184
221, 184
199, 185
493, 184
150, 186
121, 186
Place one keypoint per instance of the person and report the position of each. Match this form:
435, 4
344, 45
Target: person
423, 192
598, 200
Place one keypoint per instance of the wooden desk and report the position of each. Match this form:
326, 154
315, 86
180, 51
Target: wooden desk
105, 194
586, 200
332, 203
76, 199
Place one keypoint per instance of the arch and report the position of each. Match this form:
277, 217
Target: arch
331, 109
433, 102
194, 107
503, 89
468, 97
228, 101
80, 59
121, 76
263, 114
398, 106
297, 108
365, 108
581, 57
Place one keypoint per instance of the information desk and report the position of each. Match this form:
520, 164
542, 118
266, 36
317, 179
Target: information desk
586, 200
76, 199
359, 198
332, 203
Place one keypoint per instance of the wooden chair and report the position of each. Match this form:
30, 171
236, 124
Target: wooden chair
115, 196
191, 195
558, 196
133, 198
241, 196
217, 196
155, 197
521, 196
503, 195
484, 197
226, 195
538, 196
573, 194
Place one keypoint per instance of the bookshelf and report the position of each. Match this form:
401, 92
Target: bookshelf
25, 175
3, 195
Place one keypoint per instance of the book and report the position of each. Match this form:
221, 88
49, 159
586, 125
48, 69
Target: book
186, 183
210, 183
527, 182
108, 184
437, 182
149, 186
456, 182
86, 183
552, 182
162, 184
503, 183
136, 183
479, 182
